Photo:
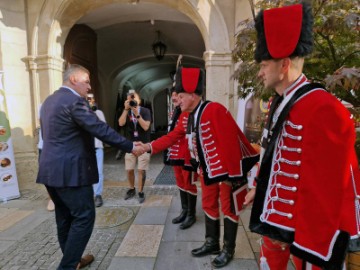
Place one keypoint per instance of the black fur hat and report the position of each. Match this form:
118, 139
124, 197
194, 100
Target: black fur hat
284, 32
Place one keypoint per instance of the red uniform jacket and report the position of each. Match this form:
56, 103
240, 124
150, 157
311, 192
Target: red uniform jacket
309, 198
179, 151
223, 150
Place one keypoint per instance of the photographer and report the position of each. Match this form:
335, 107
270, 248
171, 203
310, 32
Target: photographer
99, 150
137, 121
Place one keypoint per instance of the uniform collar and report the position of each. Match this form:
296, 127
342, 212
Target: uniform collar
295, 85
193, 118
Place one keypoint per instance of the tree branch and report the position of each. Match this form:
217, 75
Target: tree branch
331, 46
251, 2
347, 57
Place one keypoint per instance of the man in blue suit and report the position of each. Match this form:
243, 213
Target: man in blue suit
68, 167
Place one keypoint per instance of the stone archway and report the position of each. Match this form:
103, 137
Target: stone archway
56, 19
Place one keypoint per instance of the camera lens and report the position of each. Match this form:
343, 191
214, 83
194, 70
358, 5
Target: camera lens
133, 103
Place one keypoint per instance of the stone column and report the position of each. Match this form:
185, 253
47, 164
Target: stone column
45, 74
219, 82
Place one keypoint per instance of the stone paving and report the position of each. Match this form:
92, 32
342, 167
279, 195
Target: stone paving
126, 236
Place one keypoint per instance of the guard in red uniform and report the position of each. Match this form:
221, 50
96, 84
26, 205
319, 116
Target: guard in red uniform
306, 200
221, 154
185, 178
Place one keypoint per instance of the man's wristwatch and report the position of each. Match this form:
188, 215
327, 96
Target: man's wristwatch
138, 116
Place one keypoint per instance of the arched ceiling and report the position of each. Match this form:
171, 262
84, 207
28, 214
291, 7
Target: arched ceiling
117, 13
125, 33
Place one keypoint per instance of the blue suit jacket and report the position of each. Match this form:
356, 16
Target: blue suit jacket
68, 127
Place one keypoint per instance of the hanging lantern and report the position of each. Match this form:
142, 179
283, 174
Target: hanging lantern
158, 47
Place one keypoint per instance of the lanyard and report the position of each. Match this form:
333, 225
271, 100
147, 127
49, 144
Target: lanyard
134, 119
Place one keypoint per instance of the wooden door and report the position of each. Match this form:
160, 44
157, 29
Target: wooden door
80, 48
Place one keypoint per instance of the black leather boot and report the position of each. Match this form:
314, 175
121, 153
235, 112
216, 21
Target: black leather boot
184, 206
190, 217
227, 253
211, 245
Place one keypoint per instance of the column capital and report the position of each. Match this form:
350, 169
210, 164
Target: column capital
217, 59
43, 62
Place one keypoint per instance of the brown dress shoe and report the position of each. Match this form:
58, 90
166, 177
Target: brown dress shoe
85, 261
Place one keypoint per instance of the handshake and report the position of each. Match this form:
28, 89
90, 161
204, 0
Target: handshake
140, 148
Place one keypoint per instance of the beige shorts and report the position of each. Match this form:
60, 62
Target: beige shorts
143, 161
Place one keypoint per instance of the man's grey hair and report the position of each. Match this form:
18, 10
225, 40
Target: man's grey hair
71, 69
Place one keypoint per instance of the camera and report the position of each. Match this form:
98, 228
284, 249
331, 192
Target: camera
132, 102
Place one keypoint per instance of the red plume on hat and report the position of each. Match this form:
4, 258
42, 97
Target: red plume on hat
190, 80
284, 32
